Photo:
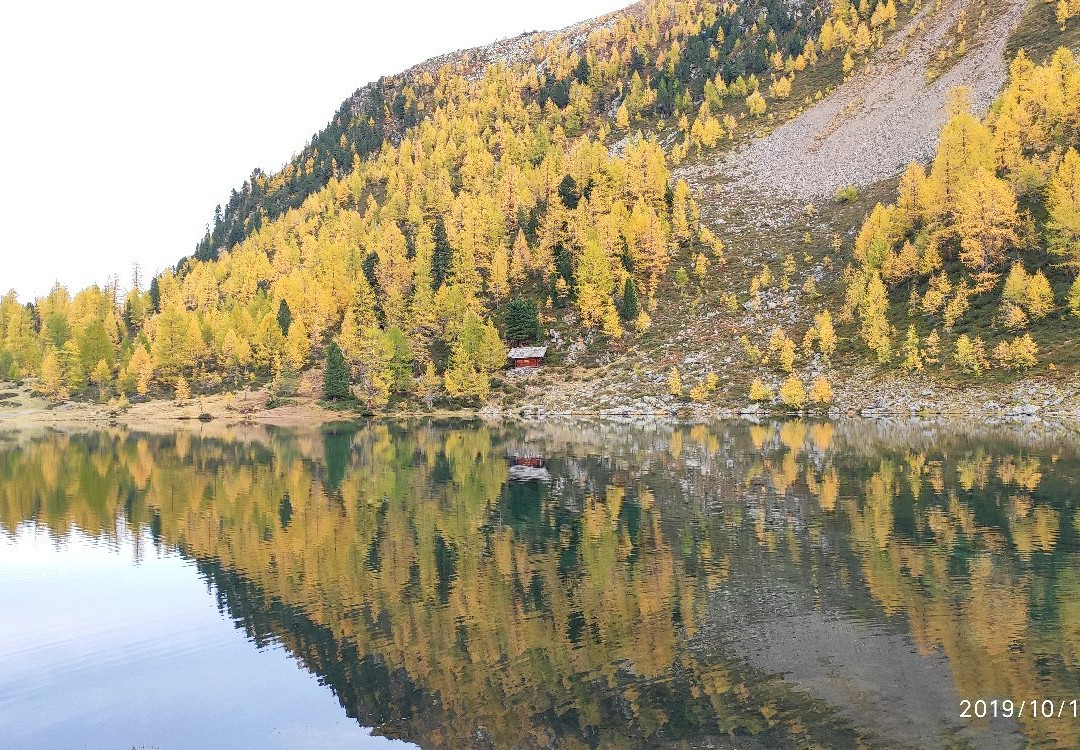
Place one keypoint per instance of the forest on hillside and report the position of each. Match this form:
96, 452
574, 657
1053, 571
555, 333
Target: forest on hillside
984, 247
445, 213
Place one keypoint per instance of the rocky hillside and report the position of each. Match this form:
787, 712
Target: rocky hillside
772, 199
694, 204
885, 116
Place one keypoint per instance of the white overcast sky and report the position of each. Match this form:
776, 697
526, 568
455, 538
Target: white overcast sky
123, 124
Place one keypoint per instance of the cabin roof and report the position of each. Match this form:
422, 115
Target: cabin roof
527, 352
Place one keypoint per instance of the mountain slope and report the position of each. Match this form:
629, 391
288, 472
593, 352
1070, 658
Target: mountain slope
490, 181
376, 113
637, 40
771, 198
605, 189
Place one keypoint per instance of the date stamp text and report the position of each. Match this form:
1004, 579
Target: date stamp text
1007, 708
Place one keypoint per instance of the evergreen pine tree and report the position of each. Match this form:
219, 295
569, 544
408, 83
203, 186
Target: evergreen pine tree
630, 305
568, 192
401, 362
155, 295
581, 71
284, 317
444, 254
336, 377
522, 321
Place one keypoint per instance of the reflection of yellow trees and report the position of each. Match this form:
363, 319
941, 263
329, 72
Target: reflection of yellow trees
821, 433
877, 515
1067, 643
973, 471
760, 434
1024, 472
755, 470
399, 557
916, 466
996, 607
404, 544
937, 477
62, 485
706, 438
830, 489
793, 435
765, 537
785, 475
1036, 531
962, 577
944, 533
979, 620
675, 444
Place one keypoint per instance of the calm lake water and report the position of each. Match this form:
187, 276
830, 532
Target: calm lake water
568, 586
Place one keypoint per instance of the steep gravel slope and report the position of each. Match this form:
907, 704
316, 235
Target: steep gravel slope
886, 116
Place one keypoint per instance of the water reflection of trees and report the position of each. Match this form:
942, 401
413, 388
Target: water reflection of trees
446, 605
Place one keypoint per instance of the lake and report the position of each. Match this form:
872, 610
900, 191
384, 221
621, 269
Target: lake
572, 585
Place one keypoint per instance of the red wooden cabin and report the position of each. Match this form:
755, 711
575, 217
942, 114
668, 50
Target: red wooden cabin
527, 356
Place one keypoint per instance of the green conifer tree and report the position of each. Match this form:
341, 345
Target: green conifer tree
155, 295
568, 192
284, 317
444, 254
336, 377
522, 321
401, 362
630, 305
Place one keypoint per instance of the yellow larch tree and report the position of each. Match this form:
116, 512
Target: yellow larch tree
595, 286
1063, 206
986, 221
394, 274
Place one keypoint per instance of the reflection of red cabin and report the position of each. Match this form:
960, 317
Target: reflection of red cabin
527, 356
527, 467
